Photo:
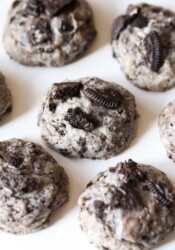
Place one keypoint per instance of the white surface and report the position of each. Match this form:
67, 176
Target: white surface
28, 86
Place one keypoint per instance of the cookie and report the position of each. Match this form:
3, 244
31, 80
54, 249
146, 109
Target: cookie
32, 185
167, 129
48, 33
5, 97
122, 206
87, 118
143, 42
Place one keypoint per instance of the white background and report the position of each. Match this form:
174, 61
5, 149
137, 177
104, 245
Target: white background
28, 85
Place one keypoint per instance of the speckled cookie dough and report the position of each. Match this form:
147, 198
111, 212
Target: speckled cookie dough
127, 207
143, 41
87, 118
32, 185
48, 32
5, 97
167, 129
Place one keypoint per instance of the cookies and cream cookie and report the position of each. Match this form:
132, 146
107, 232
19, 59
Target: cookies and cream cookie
5, 97
48, 33
32, 185
129, 206
143, 41
167, 129
88, 118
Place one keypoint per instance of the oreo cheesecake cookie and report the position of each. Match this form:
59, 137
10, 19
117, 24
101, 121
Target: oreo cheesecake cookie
32, 185
167, 129
48, 33
143, 41
87, 118
5, 97
129, 206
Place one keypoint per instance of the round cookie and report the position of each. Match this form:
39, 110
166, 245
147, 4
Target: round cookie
87, 118
48, 33
32, 185
143, 42
167, 129
122, 206
5, 97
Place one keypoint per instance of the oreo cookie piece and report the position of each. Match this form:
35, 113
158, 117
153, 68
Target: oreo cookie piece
88, 118
32, 185
142, 41
122, 206
5, 97
167, 129
48, 33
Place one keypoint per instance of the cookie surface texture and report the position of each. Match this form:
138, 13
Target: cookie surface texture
167, 129
32, 185
121, 207
48, 33
143, 40
5, 97
87, 118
